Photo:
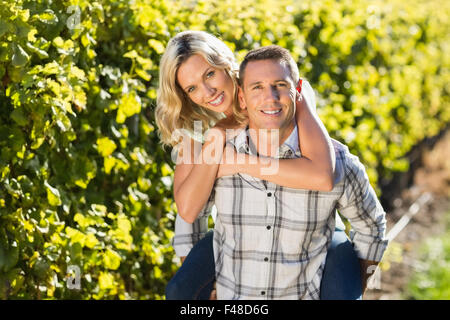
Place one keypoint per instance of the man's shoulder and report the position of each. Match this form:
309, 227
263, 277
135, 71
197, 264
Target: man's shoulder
348, 165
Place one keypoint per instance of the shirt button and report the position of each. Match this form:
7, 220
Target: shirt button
268, 227
269, 194
266, 259
263, 293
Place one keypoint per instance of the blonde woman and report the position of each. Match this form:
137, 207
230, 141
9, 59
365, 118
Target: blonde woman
198, 88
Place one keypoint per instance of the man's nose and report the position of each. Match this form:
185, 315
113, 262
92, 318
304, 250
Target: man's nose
272, 94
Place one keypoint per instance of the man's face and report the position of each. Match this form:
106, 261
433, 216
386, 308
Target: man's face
268, 93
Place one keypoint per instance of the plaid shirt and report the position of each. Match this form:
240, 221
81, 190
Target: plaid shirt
270, 242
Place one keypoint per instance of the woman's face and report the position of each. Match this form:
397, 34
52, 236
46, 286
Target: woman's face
209, 87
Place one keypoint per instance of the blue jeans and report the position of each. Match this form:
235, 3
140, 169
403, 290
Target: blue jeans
340, 281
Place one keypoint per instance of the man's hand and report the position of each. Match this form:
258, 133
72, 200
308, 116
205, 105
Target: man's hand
367, 269
213, 295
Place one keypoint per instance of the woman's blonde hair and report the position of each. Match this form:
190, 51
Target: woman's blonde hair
174, 109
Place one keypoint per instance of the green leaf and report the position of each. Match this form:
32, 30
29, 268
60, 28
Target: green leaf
83, 171
106, 281
20, 56
91, 241
129, 105
131, 54
4, 27
157, 45
109, 164
77, 73
40, 53
53, 196
105, 146
123, 223
18, 116
51, 68
48, 17
111, 259
143, 74
11, 257
58, 42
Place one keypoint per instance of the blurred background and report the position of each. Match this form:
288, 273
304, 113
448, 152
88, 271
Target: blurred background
86, 204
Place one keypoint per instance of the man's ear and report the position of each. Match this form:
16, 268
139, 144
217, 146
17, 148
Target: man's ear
242, 103
298, 90
298, 96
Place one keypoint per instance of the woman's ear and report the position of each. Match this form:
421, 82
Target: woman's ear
242, 103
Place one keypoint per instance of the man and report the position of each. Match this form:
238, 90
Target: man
271, 242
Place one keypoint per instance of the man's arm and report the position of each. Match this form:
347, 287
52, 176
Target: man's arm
360, 205
188, 234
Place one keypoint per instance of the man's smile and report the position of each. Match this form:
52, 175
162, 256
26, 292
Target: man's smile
272, 112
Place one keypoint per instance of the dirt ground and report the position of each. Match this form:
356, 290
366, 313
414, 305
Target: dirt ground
431, 219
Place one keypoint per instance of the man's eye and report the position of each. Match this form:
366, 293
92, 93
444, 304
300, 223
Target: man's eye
283, 85
257, 87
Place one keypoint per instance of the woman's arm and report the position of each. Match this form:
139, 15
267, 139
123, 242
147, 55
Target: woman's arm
314, 170
194, 177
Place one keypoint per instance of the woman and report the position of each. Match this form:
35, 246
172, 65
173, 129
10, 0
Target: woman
198, 82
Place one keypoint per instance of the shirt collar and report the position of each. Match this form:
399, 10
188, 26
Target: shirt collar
289, 149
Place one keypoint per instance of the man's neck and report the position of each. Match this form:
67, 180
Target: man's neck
268, 141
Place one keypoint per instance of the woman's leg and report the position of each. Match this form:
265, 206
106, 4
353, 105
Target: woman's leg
341, 278
194, 280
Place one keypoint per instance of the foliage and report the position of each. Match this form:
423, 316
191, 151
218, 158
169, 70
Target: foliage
83, 178
431, 281
80, 164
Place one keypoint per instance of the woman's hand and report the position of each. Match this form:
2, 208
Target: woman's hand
229, 127
228, 165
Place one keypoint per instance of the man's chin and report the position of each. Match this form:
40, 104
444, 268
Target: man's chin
267, 128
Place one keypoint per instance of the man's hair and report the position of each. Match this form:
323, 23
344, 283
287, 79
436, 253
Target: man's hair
272, 52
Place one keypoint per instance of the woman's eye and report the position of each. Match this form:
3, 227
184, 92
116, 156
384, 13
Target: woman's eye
210, 74
190, 90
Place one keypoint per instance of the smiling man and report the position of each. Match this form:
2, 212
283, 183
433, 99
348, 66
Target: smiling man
271, 242
268, 94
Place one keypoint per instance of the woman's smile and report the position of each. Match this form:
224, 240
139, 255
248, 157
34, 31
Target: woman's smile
217, 101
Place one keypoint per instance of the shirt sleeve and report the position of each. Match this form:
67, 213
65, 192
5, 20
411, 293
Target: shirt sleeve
360, 205
188, 234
